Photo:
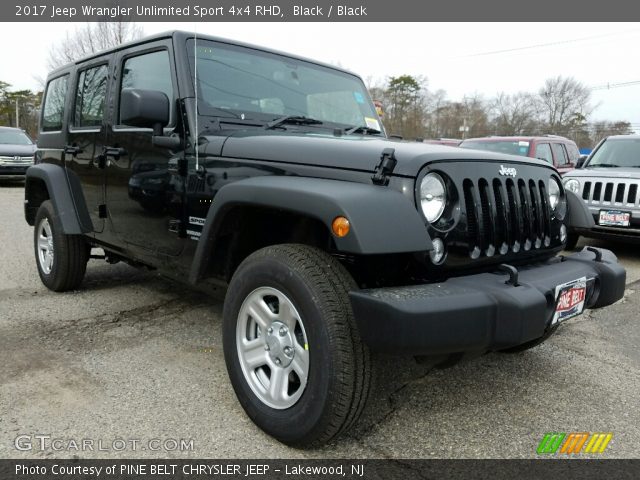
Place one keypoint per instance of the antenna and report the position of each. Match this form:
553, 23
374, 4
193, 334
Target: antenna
195, 89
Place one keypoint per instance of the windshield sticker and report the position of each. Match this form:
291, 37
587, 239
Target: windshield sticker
523, 150
372, 123
523, 144
359, 97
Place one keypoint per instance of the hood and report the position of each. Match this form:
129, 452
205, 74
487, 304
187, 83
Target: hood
16, 150
353, 152
620, 172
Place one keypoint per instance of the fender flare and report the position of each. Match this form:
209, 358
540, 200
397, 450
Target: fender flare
579, 215
73, 215
383, 221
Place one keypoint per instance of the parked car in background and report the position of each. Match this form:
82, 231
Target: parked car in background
559, 151
608, 183
16, 151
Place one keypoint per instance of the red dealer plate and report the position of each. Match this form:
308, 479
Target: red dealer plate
614, 218
570, 298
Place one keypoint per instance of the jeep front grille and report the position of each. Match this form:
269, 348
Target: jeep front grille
622, 192
506, 215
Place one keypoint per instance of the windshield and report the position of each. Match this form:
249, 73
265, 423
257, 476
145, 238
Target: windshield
14, 137
247, 84
617, 153
512, 147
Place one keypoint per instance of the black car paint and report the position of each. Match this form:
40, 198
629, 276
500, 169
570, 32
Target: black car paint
307, 170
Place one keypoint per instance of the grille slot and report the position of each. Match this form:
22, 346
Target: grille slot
586, 191
504, 215
633, 192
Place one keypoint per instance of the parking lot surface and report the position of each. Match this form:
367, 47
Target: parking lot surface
136, 358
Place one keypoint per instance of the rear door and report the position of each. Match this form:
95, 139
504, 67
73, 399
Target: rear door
86, 136
561, 158
141, 196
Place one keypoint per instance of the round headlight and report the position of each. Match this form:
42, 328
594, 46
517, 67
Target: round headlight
432, 196
572, 185
554, 193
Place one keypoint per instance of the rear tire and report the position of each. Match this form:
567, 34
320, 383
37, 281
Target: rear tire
327, 397
61, 259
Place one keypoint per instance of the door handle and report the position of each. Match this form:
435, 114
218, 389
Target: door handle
72, 150
115, 152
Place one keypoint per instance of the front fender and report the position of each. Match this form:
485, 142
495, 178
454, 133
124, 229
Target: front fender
383, 221
579, 215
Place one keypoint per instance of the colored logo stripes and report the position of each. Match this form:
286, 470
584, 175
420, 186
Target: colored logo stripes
575, 442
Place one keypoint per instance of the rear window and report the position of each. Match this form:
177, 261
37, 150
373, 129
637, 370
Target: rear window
54, 100
511, 147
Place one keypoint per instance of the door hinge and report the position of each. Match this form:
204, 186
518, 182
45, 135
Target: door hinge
174, 226
385, 167
102, 210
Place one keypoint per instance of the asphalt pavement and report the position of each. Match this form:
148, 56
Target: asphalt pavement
133, 359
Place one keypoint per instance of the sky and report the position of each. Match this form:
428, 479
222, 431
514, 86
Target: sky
461, 58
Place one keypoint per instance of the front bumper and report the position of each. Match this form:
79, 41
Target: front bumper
13, 170
480, 312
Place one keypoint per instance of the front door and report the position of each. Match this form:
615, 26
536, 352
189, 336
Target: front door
84, 151
141, 190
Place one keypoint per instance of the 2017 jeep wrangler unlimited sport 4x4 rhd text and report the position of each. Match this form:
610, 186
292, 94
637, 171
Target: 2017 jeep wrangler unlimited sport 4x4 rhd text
235, 167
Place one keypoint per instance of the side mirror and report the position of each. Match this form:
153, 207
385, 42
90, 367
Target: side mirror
581, 161
145, 109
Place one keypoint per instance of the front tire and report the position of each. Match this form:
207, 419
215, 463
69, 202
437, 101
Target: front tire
572, 241
291, 345
61, 259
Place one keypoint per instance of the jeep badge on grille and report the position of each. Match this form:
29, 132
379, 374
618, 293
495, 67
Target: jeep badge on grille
507, 172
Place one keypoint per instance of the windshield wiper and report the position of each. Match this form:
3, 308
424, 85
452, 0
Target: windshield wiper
362, 128
292, 120
604, 165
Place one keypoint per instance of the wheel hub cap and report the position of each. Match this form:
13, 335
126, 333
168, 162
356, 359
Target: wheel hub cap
45, 246
272, 348
280, 345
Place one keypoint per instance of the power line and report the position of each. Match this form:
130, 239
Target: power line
610, 86
543, 45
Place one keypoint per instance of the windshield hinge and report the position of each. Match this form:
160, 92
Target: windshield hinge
385, 167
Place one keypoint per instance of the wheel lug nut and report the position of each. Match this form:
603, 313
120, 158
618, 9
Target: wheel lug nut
287, 351
267, 348
270, 330
278, 361
283, 331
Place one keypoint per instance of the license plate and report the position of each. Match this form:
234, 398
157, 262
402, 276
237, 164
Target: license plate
570, 298
614, 218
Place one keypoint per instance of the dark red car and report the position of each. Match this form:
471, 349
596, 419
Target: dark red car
559, 151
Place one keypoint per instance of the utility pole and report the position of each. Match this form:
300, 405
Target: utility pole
17, 114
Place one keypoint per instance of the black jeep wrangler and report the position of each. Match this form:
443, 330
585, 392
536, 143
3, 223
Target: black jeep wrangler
233, 167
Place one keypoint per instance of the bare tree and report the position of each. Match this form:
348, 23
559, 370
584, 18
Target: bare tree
562, 99
92, 38
514, 114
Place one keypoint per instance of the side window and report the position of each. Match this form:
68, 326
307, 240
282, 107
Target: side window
90, 95
54, 99
559, 153
574, 153
543, 152
150, 71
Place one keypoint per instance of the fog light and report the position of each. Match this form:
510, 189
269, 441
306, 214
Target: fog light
340, 227
437, 254
563, 233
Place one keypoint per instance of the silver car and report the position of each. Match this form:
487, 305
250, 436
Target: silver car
608, 183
